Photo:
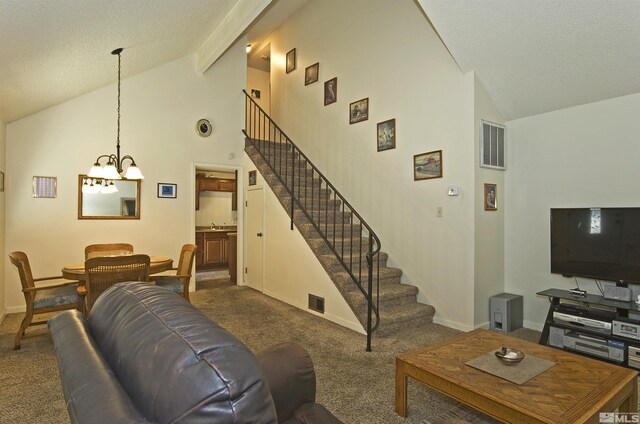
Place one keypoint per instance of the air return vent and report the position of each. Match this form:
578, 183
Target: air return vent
492, 146
316, 303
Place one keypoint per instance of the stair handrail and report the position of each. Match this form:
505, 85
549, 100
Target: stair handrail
372, 252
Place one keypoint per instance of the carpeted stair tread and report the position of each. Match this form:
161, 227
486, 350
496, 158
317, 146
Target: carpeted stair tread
390, 295
332, 264
396, 317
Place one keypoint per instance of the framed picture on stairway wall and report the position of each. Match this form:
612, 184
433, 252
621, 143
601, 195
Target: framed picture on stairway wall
387, 135
331, 91
427, 166
359, 111
311, 74
253, 178
291, 60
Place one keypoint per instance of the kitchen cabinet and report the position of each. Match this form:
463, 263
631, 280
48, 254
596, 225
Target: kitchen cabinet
215, 249
204, 183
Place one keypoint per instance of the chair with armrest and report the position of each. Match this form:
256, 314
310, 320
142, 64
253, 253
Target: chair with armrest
110, 249
41, 299
102, 272
179, 283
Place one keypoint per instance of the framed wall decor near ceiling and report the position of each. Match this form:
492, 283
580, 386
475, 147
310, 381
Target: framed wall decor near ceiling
291, 60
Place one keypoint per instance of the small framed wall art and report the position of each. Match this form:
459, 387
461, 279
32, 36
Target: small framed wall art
359, 111
167, 190
427, 166
311, 74
45, 187
291, 60
387, 135
490, 197
331, 91
253, 178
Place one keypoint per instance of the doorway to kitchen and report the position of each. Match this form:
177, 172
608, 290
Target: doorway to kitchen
216, 223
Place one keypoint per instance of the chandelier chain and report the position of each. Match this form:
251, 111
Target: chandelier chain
118, 134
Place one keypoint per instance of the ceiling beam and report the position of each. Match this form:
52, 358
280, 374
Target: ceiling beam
233, 26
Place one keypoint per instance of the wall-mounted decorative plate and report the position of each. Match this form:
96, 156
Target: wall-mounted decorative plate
204, 127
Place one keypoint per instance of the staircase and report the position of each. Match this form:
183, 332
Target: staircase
342, 241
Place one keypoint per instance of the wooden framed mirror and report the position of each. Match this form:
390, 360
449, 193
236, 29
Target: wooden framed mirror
122, 203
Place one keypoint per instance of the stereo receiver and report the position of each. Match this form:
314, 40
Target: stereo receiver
625, 327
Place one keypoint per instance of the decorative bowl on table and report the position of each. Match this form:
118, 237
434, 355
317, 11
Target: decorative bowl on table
509, 356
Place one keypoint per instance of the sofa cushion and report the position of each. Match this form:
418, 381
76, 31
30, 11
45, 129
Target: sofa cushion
175, 363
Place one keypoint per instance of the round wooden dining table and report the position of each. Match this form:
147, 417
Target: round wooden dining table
157, 264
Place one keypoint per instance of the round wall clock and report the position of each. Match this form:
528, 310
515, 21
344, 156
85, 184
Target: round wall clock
204, 127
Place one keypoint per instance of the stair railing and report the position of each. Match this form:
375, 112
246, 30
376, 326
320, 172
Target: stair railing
317, 198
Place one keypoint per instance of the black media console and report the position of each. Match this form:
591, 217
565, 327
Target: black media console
594, 326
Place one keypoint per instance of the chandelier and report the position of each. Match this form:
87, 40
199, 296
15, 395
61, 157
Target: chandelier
112, 170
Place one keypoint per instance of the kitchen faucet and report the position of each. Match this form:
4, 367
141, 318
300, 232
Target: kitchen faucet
213, 225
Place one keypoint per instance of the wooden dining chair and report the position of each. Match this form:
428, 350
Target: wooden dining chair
109, 249
42, 299
179, 283
102, 272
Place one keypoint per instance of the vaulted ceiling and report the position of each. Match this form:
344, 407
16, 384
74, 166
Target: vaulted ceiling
532, 56
536, 56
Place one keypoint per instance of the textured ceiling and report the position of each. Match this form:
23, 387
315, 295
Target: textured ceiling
532, 56
535, 56
51, 51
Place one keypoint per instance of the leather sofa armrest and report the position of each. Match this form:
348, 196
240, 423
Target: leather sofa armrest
91, 390
291, 377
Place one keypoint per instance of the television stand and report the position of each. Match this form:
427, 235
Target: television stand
588, 336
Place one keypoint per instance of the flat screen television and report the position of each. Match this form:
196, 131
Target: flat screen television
598, 243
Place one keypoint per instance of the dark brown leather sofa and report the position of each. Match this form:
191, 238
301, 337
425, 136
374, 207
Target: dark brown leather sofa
145, 355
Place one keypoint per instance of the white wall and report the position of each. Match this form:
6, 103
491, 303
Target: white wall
585, 156
2, 217
388, 52
159, 110
215, 207
489, 225
291, 270
259, 80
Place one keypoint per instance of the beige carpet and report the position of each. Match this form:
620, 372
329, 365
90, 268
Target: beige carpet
357, 386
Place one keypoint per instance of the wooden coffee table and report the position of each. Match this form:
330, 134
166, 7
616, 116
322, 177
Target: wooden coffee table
574, 390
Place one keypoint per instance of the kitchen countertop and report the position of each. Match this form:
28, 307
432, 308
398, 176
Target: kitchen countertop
225, 229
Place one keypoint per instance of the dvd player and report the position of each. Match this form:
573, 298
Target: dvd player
612, 350
595, 319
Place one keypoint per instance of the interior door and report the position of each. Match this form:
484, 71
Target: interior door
255, 242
